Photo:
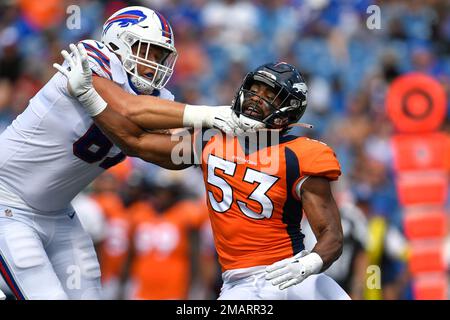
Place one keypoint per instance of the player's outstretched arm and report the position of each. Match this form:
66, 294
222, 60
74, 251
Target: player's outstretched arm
152, 147
151, 112
148, 112
323, 216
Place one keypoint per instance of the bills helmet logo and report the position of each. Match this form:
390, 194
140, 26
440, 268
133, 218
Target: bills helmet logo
125, 19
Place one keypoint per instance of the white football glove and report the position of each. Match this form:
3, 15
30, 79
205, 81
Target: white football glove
79, 79
78, 74
292, 271
2, 295
249, 125
220, 117
226, 120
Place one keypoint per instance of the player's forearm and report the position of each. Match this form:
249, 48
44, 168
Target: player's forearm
329, 246
133, 141
120, 130
324, 218
145, 111
153, 113
150, 112
157, 148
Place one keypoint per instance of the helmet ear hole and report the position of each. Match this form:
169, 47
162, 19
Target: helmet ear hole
113, 46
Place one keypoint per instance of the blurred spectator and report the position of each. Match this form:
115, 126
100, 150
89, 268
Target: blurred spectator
231, 24
11, 63
193, 62
6, 115
42, 14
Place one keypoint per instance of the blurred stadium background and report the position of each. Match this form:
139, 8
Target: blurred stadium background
150, 225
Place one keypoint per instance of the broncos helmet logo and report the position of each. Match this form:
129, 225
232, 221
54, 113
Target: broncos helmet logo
125, 19
300, 87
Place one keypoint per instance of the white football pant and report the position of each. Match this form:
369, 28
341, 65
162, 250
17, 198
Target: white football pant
250, 284
47, 257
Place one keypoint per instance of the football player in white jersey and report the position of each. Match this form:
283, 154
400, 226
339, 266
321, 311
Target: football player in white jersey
53, 150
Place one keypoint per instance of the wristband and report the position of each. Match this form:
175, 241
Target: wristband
198, 116
92, 102
312, 262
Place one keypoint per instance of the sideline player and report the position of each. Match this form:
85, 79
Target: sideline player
53, 150
160, 242
255, 206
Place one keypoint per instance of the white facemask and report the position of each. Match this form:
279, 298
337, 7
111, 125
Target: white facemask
142, 87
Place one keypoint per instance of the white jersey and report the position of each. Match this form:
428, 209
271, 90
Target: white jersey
53, 150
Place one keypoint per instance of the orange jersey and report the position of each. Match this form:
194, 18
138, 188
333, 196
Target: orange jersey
161, 265
122, 170
254, 211
114, 249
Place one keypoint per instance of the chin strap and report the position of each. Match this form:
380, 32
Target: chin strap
248, 124
303, 125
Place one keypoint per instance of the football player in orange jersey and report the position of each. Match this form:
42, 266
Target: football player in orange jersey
255, 206
162, 223
113, 250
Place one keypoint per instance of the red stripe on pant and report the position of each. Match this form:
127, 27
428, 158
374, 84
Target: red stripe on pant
10, 281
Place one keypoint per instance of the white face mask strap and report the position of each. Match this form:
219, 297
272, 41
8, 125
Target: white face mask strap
162, 75
146, 51
138, 49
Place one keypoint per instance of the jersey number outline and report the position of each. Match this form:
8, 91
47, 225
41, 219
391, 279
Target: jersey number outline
259, 194
93, 146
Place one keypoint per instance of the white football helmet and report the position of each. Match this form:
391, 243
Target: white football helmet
142, 28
